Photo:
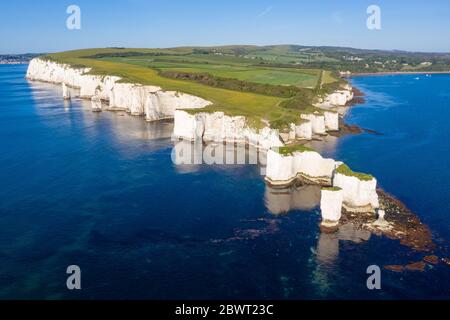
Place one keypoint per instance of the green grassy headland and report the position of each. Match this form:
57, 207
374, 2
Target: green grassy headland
237, 83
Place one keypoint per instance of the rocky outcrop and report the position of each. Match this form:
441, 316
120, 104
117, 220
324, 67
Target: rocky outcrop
218, 127
320, 122
337, 98
66, 92
331, 205
359, 195
317, 122
307, 166
304, 130
331, 120
96, 104
354, 192
149, 101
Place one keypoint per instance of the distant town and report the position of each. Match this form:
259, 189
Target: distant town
17, 58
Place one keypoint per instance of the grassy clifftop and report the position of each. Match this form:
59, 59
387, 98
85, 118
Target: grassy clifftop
235, 83
346, 171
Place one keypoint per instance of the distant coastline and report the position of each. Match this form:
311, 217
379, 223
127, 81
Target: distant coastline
391, 73
14, 59
14, 63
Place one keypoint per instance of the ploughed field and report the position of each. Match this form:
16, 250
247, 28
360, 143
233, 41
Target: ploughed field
236, 83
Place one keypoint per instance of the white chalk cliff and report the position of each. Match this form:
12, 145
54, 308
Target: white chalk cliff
306, 165
154, 103
331, 204
338, 98
150, 101
322, 122
358, 195
218, 127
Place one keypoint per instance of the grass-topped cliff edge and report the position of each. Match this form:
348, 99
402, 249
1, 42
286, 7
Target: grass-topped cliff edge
346, 171
236, 82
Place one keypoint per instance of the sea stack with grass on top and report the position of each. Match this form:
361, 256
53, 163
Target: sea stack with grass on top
331, 206
359, 190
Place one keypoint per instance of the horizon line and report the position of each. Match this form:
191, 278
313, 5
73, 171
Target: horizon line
242, 45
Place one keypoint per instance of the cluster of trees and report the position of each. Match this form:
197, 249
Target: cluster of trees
240, 85
296, 98
127, 54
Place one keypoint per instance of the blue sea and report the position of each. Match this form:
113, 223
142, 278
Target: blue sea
99, 190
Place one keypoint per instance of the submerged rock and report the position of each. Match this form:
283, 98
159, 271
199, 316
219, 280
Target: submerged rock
431, 259
406, 226
395, 268
401, 224
416, 266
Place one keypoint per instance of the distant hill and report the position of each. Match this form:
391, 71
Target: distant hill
335, 58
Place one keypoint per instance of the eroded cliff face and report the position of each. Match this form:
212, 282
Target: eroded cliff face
218, 127
339, 98
358, 195
317, 123
149, 101
349, 192
331, 205
308, 166
154, 103
304, 130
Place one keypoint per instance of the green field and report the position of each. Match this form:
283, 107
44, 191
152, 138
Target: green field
227, 68
146, 66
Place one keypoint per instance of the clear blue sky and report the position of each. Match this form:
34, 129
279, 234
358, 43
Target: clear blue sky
40, 26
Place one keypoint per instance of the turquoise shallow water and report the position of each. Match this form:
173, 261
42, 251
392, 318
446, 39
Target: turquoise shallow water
100, 191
